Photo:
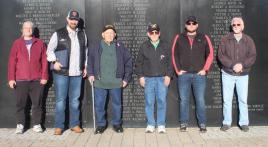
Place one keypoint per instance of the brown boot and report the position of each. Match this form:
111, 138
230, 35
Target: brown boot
77, 129
58, 131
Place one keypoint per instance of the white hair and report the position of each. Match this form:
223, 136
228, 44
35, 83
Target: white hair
28, 22
239, 19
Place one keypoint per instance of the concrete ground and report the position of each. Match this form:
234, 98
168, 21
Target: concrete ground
135, 137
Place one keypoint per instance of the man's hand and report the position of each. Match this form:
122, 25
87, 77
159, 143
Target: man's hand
182, 72
142, 81
12, 84
57, 66
167, 81
238, 67
84, 73
43, 81
202, 72
91, 79
124, 84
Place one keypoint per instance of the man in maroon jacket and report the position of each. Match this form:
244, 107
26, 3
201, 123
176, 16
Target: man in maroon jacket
237, 54
192, 56
27, 75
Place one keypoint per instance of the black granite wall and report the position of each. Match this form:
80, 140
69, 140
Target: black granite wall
131, 18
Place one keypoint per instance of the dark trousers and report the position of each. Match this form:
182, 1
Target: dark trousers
23, 90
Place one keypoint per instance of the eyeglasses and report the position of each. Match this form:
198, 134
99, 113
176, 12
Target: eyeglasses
236, 25
154, 33
191, 23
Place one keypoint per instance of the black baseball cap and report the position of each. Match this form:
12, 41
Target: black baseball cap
191, 19
73, 15
153, 27
107, 27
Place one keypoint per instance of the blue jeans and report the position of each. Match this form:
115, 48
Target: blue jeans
155, 89
67, 86
186, 82
100, 101
241, 84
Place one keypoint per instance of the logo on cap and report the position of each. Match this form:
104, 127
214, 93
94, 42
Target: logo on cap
74, 13
154, 26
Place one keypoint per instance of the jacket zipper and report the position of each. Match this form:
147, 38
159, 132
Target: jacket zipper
99, 54
29, 54
191, 42
237, 50
191, 50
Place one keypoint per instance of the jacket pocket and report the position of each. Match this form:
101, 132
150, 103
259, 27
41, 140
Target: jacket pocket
62, 57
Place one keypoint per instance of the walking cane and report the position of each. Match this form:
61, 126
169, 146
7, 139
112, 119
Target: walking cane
93, 105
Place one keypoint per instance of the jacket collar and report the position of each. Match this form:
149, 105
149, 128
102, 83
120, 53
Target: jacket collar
117, 44
230, 36
150, 44
34, 39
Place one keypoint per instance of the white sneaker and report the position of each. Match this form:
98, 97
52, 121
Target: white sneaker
19, 129
161, 129
149, 129
37, 128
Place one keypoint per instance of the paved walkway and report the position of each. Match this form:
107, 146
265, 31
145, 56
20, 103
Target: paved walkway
135, 137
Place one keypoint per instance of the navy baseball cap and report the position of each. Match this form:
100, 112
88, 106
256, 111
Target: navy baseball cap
73, 15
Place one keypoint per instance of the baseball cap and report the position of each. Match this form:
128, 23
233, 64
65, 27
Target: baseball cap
73, 15
153, 27
192, 19
107, 27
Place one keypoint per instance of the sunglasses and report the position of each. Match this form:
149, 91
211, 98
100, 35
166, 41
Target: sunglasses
191, 23
236, 25
154, 33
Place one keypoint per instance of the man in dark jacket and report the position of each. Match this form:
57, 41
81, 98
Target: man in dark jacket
27, 74
237, 54
154, 69
67, 51
192, 56
110, 68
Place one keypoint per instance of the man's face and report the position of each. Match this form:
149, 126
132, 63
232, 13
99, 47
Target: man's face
191, 26
27, 30
237, 27
154, 35
72, 23
108, 35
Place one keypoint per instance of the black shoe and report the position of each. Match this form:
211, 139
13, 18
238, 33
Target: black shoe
225, 127
244, 128
100, 129
118, 128
203, 128
183, 127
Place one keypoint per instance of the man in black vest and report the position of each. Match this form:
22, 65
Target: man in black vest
67, 53
192, 56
